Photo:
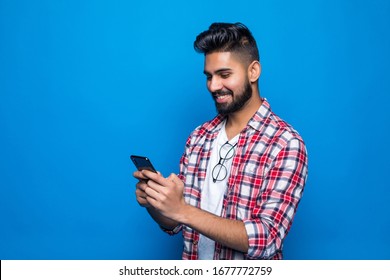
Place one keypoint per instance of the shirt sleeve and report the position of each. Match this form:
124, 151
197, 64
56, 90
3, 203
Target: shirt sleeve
276, 206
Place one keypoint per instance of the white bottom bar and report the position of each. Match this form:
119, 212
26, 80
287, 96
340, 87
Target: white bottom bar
178, 269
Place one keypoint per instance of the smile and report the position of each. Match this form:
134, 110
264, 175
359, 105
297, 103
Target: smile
222, 98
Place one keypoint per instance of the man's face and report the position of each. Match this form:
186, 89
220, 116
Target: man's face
227, 81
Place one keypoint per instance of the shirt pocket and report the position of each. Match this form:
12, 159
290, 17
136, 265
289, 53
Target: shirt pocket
251, 186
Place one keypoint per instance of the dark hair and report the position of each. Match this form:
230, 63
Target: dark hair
228, 37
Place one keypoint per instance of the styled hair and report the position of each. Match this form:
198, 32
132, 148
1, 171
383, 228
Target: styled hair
228, 37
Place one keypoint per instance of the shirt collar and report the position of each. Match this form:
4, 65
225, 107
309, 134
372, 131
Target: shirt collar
264, 111
256, 122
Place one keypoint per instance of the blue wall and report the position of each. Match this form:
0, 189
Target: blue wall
84, 84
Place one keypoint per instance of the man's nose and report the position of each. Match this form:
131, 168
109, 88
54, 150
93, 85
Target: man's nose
215, 84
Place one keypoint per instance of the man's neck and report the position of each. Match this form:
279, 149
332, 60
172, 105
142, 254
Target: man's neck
237, 121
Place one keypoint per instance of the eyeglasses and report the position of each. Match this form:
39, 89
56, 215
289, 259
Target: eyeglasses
226, 152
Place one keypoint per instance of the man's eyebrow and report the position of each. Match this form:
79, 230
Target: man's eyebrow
217, 71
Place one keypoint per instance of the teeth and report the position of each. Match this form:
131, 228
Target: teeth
219, 96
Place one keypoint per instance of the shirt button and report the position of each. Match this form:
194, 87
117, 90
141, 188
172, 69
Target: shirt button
195, 242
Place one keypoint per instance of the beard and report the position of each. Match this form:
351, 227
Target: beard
239, 100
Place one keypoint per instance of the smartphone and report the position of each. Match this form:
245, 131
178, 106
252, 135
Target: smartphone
142, 163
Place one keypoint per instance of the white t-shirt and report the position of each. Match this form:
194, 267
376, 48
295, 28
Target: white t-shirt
213, 192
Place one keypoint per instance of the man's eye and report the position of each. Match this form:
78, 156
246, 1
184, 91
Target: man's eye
225, 75
208, 77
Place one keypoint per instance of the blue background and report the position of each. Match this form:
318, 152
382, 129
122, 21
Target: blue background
84, 84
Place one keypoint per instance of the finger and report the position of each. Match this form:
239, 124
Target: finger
141, 198
142, 185
151, 202
143, 202
140, 193
153, 184
158, 178
161, 189
151, 193
139, 175
150, 174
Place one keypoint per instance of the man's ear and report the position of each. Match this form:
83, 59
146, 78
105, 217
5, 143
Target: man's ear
254, 71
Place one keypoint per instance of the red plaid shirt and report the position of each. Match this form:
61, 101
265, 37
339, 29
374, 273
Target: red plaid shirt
266, 182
